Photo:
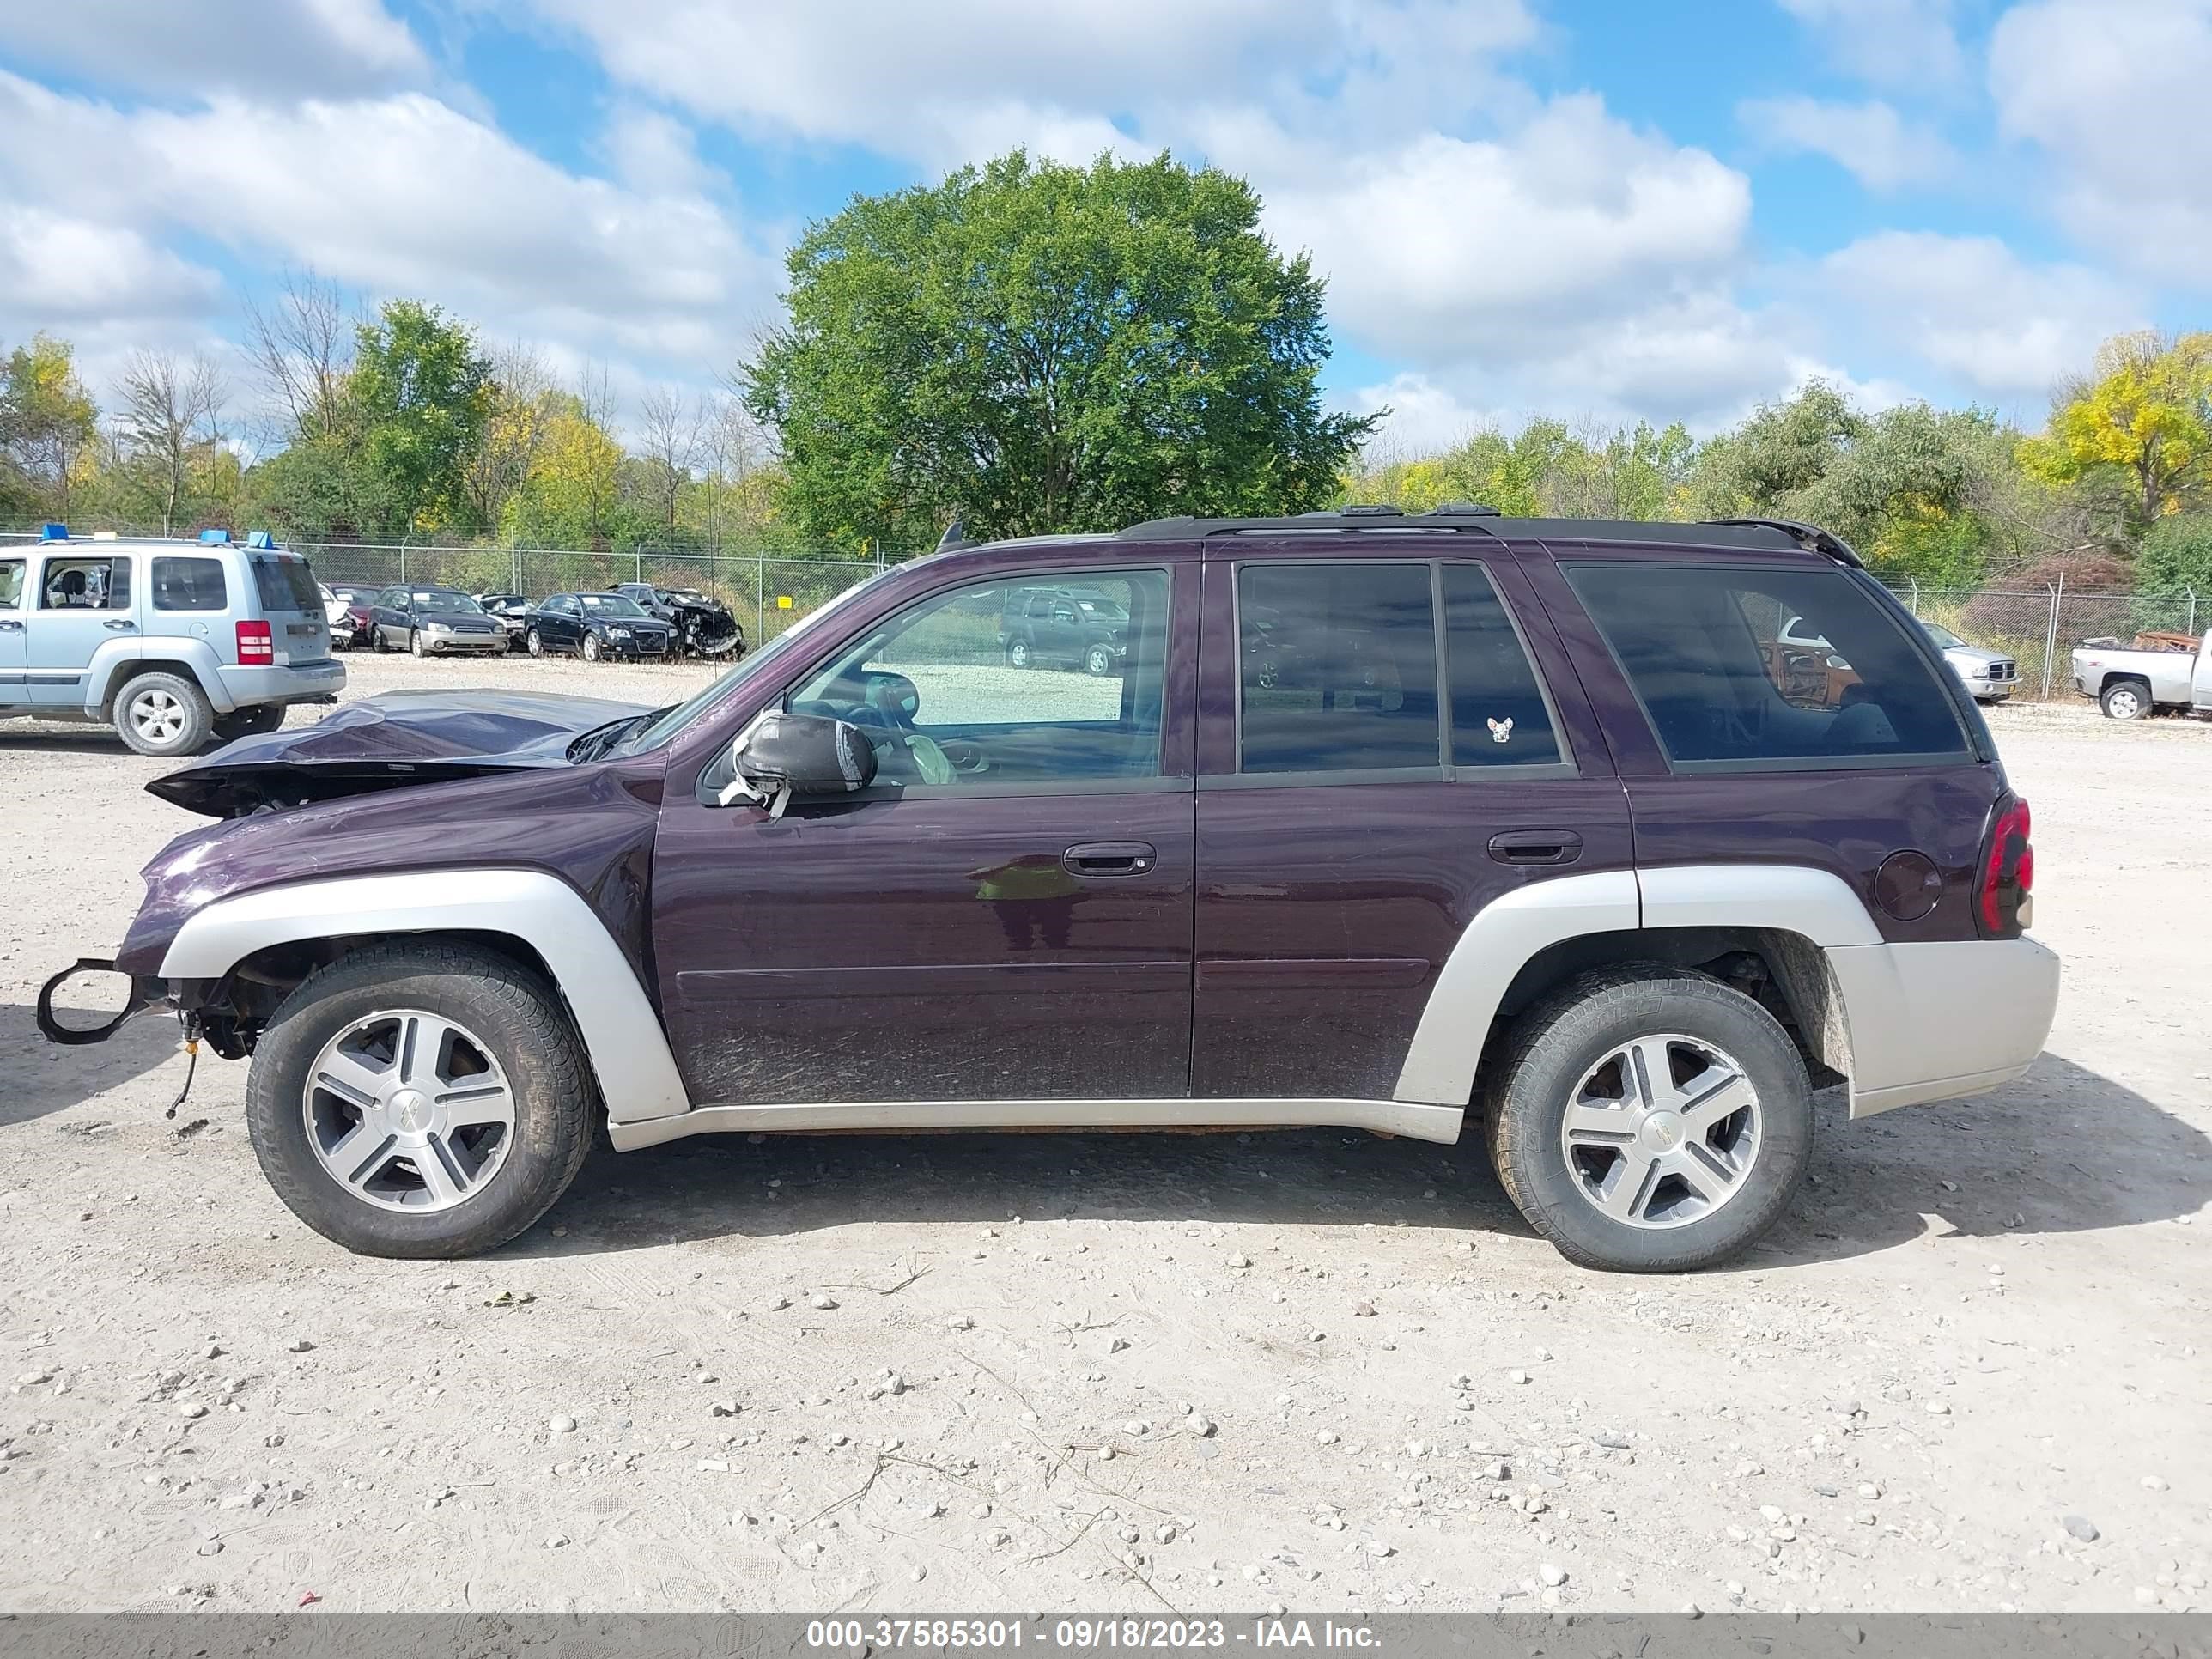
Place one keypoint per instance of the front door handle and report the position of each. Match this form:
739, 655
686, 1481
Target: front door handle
119, 624
1536, 847
1111, 858
8, 627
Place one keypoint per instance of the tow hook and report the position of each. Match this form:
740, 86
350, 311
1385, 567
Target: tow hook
146, 991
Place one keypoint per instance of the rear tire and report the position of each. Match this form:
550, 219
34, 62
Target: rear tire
508, 1016
1645, 1189
2126, 700
1018, 654
163, 716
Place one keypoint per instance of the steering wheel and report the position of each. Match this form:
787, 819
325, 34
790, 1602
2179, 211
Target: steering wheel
892, 696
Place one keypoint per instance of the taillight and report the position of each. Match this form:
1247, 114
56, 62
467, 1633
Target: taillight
256, 644
2002, 904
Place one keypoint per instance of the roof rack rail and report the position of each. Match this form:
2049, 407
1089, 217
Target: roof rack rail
1810, 536
1457, 515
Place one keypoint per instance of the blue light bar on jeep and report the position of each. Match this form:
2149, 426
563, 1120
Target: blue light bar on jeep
259, 539
53, 533
217, 537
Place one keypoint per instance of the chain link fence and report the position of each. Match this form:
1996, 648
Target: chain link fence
2039, 627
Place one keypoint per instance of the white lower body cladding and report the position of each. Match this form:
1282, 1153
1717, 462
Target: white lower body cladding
1905, 1023
1930, 1022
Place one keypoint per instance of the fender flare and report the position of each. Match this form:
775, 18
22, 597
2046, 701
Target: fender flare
623, 1039
113, 664
1505, 935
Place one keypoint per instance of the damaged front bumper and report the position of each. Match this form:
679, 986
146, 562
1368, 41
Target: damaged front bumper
147, 992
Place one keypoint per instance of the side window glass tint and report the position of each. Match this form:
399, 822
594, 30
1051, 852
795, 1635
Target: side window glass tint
188, 585
1499, 717
93, 584
1337, 668
939, 693
11, 584
1741, 667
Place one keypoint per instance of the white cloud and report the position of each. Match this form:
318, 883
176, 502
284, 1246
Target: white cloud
1971, 308
59, 270
1895, 43
2114, 92
278, 48
403, 194
1876, 145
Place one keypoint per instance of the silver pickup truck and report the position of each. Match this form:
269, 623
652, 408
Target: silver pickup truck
2129, 685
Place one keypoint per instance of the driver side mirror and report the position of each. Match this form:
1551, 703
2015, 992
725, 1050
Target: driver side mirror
781, 754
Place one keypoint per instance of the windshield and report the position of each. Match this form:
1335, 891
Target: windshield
445, 605
683, 596
609, 604
1943, 636
664, 724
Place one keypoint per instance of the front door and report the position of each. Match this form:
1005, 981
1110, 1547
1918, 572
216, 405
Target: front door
85, 599
1380, 760
14, 692
1005, 914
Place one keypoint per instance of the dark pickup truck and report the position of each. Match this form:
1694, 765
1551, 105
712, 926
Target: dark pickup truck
1504, 827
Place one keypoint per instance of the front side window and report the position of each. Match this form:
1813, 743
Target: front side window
11, 584
938, 693
189, 585
1337, 668
98, 583
1745, 666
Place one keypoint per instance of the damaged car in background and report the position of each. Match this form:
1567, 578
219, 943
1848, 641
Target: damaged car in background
704, 625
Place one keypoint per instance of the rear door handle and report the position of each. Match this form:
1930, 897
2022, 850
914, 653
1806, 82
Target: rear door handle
1111, 858
1536, 847
119, 624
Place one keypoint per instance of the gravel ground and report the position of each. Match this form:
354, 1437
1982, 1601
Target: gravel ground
1313, 1370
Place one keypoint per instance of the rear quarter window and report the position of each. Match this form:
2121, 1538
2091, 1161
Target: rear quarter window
1749, 667
186, 584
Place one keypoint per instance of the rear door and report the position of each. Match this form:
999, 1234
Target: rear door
1387, 746
285, 594
86, 597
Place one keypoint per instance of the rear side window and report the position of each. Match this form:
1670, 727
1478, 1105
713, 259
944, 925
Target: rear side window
1499, 716
94, 584
1337, 669
285, 585
1743, 668
189, 585
11, 584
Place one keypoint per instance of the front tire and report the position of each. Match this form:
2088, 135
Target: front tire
2126, 700
1649, 1120
535, 644
1098, 661
415, 643
420, 1100
591, 647
163, 715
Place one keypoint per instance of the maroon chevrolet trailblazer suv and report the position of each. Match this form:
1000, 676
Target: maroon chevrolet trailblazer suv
1427, 824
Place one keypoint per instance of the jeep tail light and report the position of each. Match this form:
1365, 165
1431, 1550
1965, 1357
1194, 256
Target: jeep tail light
256, 644
2002, 904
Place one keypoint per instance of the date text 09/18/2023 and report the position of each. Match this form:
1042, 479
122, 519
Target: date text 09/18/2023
1085, 1635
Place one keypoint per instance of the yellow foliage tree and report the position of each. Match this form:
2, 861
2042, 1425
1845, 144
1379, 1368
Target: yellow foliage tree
2146, 407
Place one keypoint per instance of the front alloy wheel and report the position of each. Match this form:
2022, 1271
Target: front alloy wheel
1099, 660
591, 647
409, 1110
415, 643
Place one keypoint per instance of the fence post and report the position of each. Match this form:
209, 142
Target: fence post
760, 600
2051, 634
637, 562
403, 560
2192, 628
1915, 581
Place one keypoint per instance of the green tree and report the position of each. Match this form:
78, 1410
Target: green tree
1035, 347
2145, 410
419, 385
49, 427
2177, 553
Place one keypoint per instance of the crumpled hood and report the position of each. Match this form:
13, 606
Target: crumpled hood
387, 742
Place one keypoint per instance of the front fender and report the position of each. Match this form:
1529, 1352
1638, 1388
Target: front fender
624, 1041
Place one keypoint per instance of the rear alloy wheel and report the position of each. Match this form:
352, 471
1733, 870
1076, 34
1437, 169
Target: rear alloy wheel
164, 714
2126, 700
1017, 654
1649, 1120
591, 647
420, 1100
535, 645
1099, 660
